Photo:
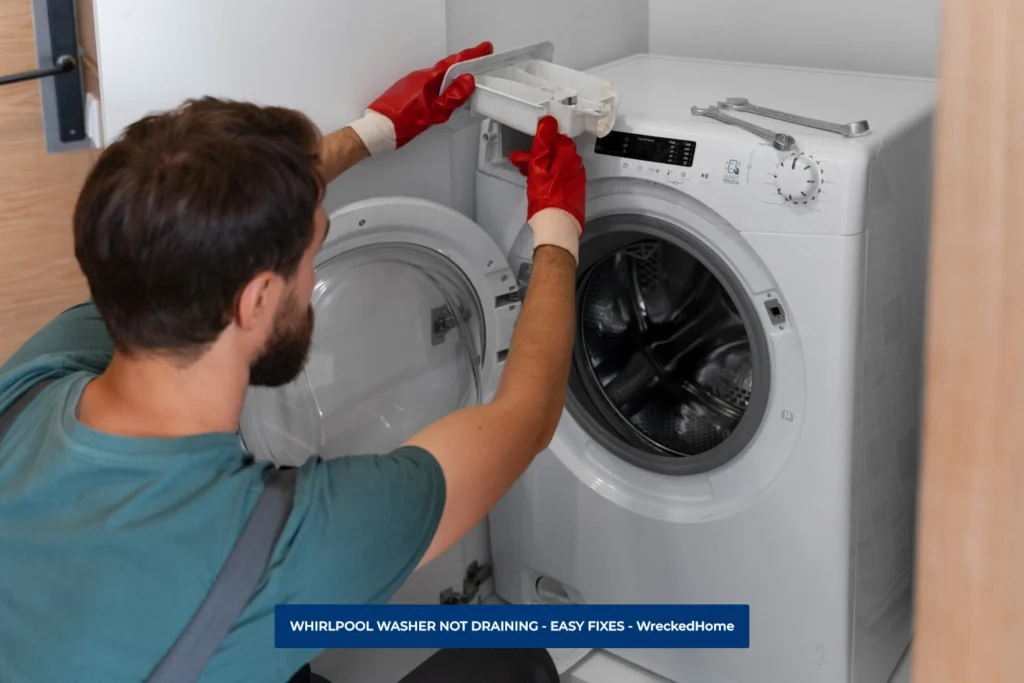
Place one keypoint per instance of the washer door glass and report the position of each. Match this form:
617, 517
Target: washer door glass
670, 362
397, 344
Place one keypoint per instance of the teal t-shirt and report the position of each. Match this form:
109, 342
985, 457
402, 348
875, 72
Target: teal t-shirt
108, 544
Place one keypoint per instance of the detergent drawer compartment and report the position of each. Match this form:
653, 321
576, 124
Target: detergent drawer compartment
519, 87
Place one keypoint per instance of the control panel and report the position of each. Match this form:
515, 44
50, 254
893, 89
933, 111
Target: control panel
746, 181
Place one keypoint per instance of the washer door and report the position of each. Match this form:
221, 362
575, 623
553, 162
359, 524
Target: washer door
414, 306
687, 392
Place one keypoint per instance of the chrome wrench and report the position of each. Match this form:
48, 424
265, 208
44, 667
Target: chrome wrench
847, 130
780, 141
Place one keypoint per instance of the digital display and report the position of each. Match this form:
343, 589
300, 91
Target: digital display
647, 148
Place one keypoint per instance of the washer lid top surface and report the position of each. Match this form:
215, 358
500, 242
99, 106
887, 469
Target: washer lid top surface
399, 341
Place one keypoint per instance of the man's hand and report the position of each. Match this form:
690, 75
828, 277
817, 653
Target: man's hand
415, 103
556, 188
408, 108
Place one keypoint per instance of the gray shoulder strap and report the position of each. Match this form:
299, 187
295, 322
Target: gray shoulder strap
11, 414
234, 586
237, 580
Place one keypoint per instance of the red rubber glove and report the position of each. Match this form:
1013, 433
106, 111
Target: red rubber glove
556, 188
413, 104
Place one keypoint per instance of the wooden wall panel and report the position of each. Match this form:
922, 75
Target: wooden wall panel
39, 276
86, 19
970, 597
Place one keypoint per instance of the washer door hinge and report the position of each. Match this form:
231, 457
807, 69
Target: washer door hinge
518, 293
523, 276
476, 575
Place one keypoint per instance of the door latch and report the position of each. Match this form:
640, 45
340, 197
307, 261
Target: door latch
775, 311
476, 575
442, 321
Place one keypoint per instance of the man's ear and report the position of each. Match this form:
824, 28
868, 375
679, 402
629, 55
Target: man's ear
258, 301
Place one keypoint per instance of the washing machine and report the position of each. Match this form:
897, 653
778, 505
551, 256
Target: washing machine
742, 424
742, 420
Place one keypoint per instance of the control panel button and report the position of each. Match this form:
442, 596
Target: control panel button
798, 179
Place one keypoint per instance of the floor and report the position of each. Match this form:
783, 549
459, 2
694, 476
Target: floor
600, 667
576, 666
588, 666
591, 667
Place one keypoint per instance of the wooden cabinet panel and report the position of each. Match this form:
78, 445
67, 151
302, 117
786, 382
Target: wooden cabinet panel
39, 276
970, 605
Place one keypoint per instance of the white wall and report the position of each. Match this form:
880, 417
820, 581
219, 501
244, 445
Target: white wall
879, 36
326, 58
585, 33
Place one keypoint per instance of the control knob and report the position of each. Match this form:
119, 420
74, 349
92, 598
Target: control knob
798, 179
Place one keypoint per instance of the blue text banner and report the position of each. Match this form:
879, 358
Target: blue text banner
512, 626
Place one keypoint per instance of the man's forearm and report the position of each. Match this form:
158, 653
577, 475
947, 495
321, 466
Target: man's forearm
537, 371
484, 449
339, 152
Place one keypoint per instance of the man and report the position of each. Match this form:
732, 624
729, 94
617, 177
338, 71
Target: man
123, 486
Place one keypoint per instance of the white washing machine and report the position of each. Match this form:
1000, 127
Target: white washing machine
742, 422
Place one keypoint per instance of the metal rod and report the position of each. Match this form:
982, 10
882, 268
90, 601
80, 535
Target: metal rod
63, 65
780, 141
848, 130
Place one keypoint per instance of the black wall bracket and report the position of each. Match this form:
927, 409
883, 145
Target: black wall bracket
69, 98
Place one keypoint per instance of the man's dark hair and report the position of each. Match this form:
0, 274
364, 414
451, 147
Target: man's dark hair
185, 209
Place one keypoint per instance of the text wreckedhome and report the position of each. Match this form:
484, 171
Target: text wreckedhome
458, 625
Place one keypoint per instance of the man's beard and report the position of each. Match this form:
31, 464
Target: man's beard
287, 349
